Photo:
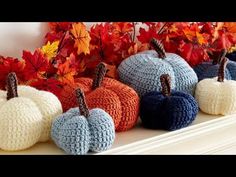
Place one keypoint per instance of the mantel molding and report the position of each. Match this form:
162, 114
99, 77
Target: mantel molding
202, 138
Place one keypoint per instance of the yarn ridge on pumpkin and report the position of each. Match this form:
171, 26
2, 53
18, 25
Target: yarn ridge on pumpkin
143, 70
78, 132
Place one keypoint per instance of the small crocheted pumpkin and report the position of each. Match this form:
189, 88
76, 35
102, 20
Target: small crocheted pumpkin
210, 69
167, 110
216, 95
116, 98
79, 130
46, 103
143, 70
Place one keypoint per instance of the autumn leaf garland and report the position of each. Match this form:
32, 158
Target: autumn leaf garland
71, 50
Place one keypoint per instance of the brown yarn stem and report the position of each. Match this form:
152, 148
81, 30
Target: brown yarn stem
100, 73
165, 84
220, 57
12, 86
83, 107
221, 71
158, 47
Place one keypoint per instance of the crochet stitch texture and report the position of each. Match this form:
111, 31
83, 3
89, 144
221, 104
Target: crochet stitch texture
76, 134
26, 115
168, 113
20, 123
48, 104
120, 101
208, 70
142, 72
216, 97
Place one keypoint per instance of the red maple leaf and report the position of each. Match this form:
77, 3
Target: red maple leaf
77, 62
192, 53
146, 35
8, 65
100, 33
60, 26
171, 45
53, 36
35, 64
52, 85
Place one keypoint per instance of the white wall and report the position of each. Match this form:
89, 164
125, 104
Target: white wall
17, 36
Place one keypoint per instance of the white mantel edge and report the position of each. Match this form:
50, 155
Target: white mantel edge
202, 138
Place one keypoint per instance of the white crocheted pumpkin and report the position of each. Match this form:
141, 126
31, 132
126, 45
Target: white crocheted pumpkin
48, 104
216, 95
26, 115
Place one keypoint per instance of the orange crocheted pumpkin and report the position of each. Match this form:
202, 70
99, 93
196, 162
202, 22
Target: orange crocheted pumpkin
116, 98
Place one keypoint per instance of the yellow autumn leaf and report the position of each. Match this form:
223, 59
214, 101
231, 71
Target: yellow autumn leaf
232, 49
50, 49
82, 38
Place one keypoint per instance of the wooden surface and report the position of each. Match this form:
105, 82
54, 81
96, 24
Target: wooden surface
123, 139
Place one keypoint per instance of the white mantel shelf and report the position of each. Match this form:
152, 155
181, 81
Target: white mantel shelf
207, 135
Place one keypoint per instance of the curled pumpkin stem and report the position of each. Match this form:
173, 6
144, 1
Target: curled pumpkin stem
100, 73
12, 86
220, 57
83, 107
165, 84
221, 71
158, 47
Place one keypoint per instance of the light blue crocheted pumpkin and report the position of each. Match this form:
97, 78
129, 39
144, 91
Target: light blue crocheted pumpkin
79, 130
143, 70
210, 69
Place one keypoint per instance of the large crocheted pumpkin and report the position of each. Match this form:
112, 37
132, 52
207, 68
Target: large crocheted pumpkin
143, 70
26, 115
217, 95
116, 98
168, 110
210, 69
79, 130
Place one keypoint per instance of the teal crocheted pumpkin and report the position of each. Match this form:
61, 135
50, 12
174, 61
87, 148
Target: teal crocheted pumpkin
143, 70
79, 129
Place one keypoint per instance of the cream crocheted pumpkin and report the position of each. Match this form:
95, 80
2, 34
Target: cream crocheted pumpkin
216, 95
26, 115
48, 104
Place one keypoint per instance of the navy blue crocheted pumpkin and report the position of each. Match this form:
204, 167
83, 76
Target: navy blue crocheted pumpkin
167, 110
231, 56
79, 130
210, 69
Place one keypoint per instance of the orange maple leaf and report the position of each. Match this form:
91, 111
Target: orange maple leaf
66, 72
193, 34
230, 26
121, 28
82, 38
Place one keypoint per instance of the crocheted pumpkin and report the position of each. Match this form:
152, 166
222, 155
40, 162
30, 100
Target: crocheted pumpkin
143, 70
25, 115
79, 130
231, 56
167, 110
210, 69
117, 99
216, 95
